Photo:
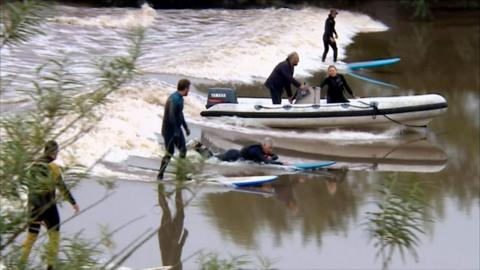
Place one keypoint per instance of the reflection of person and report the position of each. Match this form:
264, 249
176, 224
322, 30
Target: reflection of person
336, 84
332, 183
328, 39
260, 153
284, 191
173, 120
47, 177
171, 235
282, 78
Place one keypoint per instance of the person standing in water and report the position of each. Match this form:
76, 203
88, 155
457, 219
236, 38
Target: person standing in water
173, 120
42, 203
328, 39
336, 84
282, 78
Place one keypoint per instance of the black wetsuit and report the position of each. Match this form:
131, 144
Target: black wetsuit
280, 78
172, 133
327, 38
253, 153
41, 195
336, 85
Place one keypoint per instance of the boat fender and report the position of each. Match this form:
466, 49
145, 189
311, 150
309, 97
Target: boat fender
258, 107
287, 107
345, 105
316, 106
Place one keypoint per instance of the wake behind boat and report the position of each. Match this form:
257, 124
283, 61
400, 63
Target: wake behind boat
371, 112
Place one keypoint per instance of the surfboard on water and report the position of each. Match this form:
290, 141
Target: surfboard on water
226, 181
154, 164
373, 63
312, 165
244, 181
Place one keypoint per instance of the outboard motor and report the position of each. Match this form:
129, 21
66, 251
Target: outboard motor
221, 95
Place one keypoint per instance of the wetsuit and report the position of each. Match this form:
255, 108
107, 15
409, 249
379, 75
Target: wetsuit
43, 208
172, 133
280, 78
336, 85
253, 153
327, 38
41, 195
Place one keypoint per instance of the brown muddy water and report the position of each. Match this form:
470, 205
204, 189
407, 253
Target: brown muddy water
320, 220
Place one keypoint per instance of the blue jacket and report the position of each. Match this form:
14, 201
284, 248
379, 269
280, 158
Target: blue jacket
282, 77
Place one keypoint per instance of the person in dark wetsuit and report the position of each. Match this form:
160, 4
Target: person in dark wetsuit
46, 177
260, 153
336, 84
328, 39
282, 78
173, 120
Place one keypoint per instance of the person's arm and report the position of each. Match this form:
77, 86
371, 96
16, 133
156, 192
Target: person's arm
260, 157
333, 29
57, 173
349, 90
324, 82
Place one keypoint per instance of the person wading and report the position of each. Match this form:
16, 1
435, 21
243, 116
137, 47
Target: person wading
42, 204
173, 120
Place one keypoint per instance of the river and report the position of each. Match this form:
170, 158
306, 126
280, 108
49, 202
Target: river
301, 221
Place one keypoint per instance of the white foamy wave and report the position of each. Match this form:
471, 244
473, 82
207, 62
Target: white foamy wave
242, 45
131, 19
128, 123
222, 45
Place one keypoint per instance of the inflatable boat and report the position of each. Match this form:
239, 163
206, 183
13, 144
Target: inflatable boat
371, 112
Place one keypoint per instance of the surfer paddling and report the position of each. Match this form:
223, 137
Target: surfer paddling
259, 153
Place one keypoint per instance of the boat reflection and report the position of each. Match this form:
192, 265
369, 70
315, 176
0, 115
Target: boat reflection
410, 153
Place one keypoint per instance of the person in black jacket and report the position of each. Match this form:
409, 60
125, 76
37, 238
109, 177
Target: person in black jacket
328, 39
282, 78
173, 120
336, 84
259, 153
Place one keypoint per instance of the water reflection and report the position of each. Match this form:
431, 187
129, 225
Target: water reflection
409, 152
313, 205
399, 220
171, 234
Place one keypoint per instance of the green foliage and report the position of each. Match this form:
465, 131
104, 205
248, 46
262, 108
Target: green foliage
399, 218
211, 261
78, 253
61, 110
20, 21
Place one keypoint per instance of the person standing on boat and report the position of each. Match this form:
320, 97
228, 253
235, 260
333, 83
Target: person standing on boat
336, 85
328, 39
42, 204
173, 120
282, 78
